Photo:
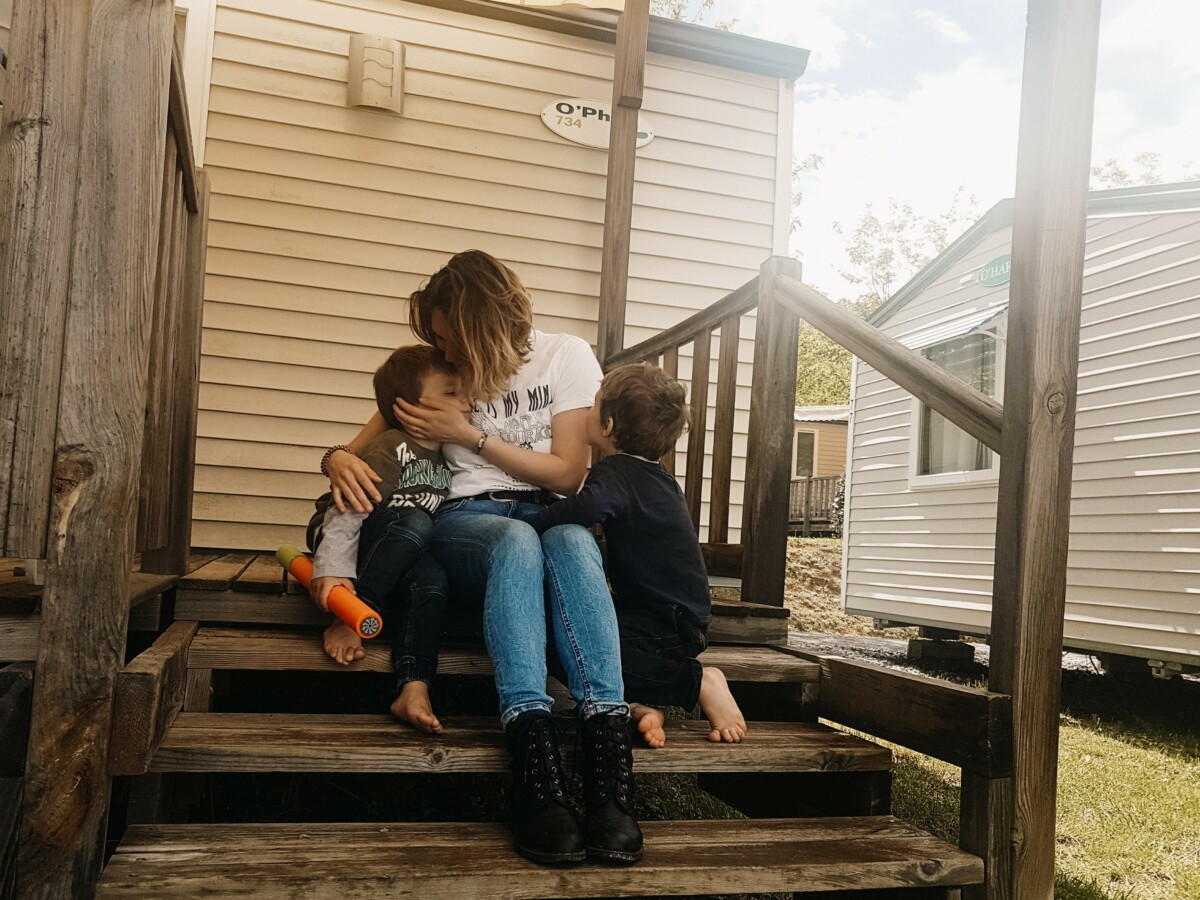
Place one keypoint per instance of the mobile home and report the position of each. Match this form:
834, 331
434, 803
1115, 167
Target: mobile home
325, 217
921, 494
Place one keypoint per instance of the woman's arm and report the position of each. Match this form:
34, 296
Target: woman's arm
352, 479
561, 470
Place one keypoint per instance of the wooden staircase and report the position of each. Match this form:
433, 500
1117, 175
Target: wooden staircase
826, 792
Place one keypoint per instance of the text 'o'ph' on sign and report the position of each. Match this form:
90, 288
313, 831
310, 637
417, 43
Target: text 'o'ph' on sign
998, 271
588, 122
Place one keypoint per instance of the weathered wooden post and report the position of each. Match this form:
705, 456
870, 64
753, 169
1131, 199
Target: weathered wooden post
629, 75
1037, 442
80, 171
769, 440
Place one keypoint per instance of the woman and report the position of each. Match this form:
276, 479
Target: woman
524, 444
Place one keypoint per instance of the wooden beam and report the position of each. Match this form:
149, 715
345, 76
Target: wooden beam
722, 468
769, 439
116, 57
973, 412
629, 73
962, 726
148, 697
1036, 456
38, 165
985, 829
693, 486
173, 558
736, 302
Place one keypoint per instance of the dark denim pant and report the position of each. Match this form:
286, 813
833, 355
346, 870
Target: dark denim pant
408, 587
658, 656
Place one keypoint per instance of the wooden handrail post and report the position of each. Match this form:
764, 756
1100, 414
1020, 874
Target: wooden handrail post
629, 75
110, 63
1036, 454
769, 440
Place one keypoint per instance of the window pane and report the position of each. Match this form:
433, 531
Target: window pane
944, 447
805, 441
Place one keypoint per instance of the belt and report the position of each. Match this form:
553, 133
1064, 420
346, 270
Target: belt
538, 496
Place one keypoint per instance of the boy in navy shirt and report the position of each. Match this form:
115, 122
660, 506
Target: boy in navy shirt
659, 582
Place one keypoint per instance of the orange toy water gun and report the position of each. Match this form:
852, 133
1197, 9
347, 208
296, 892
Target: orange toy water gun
342, 603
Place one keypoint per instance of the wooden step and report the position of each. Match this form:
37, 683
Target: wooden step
253, 742
341, 861
233, 648
251, 589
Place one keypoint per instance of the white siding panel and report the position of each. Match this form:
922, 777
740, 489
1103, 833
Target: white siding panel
324, 220
924, 554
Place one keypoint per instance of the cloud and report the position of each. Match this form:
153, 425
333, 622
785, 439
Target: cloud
957, 128
812, 25
943, 26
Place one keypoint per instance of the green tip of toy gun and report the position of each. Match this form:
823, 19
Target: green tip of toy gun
286, 554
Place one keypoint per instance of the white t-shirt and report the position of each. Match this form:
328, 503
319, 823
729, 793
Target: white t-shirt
560, 374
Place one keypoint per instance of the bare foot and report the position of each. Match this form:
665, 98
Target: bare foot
343, 644
649, 723
414, 707
718, 705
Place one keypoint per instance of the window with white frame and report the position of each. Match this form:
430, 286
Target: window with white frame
804, 458
942, 447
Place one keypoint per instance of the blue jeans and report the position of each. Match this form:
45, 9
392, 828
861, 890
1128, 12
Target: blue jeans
531, 585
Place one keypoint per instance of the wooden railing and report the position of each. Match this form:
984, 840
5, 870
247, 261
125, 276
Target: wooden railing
764, 508
810, 501
172, 383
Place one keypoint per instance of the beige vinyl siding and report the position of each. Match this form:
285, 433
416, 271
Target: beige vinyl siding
924, 554
324, 219
830, 446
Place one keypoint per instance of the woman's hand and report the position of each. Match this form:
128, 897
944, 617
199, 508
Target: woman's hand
439, 419
352, 479
322, 586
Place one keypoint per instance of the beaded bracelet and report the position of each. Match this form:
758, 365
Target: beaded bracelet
328, 453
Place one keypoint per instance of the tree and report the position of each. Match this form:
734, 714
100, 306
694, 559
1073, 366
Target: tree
884, 252
1146, 169
682, 11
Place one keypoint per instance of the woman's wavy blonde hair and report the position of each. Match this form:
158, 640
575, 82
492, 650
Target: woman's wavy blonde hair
490, 316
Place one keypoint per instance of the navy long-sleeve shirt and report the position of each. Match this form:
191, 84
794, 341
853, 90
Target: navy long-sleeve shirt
654, 557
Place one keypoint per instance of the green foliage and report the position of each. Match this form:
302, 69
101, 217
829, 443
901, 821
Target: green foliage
884, 251
822, 370
1145, 169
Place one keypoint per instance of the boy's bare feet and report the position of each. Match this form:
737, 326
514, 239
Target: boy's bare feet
343, 644
718, 705
649, 722
414, 707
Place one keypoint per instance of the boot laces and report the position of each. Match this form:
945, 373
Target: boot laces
609, 763
543, 762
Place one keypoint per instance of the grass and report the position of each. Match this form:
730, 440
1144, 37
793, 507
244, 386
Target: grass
1129, 769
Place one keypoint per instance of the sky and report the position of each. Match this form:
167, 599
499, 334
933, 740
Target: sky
913, 100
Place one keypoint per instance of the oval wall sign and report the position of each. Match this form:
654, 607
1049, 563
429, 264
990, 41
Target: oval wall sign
998, 271
588, 122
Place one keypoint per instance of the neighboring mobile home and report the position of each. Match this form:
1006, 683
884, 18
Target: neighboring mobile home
921, 494
324, 218
818, 463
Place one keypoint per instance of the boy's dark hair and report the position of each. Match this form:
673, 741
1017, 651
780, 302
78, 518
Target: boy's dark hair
647, 407
401, 376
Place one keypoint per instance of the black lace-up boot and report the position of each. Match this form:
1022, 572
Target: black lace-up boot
545, 828
610, 832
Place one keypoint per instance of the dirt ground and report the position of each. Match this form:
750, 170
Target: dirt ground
813, 588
